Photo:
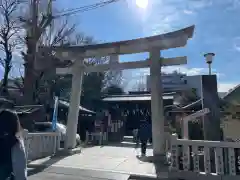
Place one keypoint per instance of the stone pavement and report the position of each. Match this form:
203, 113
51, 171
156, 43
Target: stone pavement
108, 159
63, 173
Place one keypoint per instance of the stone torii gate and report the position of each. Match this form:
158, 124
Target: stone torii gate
153, 45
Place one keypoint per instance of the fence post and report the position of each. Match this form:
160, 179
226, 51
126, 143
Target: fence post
58, 141
26, 141
231, 161
167, 141
219, 161
174, 153
55, 140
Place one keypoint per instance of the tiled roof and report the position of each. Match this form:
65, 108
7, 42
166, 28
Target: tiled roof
134, 97
66, 104
27, 109
231, 91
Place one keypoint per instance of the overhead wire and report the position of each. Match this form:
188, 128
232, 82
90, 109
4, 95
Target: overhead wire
90, 5
82, 9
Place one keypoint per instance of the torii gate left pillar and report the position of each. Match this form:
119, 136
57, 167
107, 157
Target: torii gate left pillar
73, 112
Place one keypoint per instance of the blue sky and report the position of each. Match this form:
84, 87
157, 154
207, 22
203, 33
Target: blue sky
217, 30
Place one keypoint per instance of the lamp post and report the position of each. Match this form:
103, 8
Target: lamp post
209, 59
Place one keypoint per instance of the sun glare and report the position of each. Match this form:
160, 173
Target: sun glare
142, 3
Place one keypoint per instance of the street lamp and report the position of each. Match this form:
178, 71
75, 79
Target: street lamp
209, 59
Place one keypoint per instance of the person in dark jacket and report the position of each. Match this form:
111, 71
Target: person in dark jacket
144, 134
13, 162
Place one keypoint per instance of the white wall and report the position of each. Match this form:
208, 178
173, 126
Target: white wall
170, 82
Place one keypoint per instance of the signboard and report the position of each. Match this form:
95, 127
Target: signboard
55, 114
196, 114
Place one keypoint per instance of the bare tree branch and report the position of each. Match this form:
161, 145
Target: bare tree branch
9, 27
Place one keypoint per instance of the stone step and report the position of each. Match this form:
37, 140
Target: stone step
128, 138
151, 178
132, 144
143, 177
128, 144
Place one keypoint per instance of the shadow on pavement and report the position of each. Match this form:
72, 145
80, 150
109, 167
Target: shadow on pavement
44, 163
40, 167
161, 168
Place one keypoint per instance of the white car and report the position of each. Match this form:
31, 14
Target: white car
61, 128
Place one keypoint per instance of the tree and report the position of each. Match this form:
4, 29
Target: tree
35, 26
9, 30
94, 83
32, 76
40, 63
56, 35
113, 77
187, 97
92, 88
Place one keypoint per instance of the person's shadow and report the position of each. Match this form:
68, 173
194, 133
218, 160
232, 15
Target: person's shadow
161, 167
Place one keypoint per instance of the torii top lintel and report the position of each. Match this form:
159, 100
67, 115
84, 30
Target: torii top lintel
164, 41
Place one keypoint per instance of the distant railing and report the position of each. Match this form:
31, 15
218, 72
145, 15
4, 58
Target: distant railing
192, 159
40, 145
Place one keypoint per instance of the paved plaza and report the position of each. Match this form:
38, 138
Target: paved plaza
109, 161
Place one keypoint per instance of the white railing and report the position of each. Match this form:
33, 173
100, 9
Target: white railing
40, 145
193, 159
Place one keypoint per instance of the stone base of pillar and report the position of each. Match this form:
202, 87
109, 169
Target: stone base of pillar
160, 158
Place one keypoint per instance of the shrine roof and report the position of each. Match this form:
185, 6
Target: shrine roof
189, 107
193, 104
81, 108
135, 97
27, 109
232, 92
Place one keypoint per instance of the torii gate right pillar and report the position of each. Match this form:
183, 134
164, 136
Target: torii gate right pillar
157, 105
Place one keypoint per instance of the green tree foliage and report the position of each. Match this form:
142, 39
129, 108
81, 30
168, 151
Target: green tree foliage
92, 89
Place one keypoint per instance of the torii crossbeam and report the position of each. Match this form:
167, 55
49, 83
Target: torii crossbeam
153, 45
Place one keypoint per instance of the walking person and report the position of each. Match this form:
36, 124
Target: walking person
135, 137
150, 124
144, 135
13, 163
